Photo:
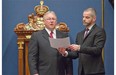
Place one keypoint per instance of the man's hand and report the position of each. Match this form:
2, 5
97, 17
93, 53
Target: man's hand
74, 47
62, 51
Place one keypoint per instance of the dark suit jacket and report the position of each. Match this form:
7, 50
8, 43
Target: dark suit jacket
45, 60
90, 54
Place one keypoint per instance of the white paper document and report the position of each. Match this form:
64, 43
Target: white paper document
59, 42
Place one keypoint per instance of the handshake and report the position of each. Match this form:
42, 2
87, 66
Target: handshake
72, 47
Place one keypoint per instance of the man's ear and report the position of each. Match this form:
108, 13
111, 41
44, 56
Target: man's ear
94, 18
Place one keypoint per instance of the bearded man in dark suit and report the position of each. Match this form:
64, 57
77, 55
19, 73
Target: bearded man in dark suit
43, 59
88, 47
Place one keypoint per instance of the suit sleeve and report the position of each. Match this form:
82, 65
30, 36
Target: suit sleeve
33, 54
72, 54
97, 45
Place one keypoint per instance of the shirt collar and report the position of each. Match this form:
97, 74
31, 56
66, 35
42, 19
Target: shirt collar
91, 27
54, 31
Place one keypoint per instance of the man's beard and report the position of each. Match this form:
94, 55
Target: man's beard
86, 24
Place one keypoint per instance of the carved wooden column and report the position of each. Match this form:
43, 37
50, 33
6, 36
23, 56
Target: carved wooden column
20, 57
27, 72
22, 42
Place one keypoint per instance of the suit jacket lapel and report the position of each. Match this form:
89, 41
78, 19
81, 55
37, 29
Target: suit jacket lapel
82, 36
45, 34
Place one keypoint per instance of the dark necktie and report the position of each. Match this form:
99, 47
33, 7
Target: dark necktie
51, 34
86, 32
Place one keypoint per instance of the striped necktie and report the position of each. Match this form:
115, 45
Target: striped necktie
51, 34
86, 32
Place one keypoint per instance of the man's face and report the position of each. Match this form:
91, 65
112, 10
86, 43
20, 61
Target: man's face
50, 21
88, 19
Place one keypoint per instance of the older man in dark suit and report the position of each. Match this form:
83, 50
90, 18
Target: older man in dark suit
43, 59
88, 47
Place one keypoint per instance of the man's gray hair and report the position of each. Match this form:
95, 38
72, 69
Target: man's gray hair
52, 12
92, 10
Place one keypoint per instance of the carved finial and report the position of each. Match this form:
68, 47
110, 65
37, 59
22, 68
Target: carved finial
41, 9
41, 2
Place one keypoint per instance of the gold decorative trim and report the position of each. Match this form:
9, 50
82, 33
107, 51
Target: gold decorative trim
102, 24
102, 13
28, 36
20, 45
